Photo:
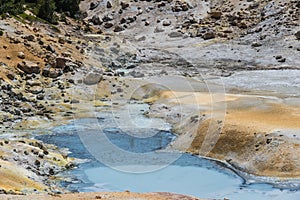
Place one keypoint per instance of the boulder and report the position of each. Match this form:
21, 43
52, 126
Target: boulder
61, 62
92, 78
29, 67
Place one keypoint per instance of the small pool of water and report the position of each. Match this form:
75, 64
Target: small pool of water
125, 150
188, 174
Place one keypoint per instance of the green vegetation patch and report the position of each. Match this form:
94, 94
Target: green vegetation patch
44, 9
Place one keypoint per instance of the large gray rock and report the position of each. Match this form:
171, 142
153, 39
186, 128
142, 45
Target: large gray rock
29, 67
92, 78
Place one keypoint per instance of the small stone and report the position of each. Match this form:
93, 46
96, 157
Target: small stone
29, 37
143, 38
158, 30
136, 74
167, 23
297, 35
108, 4
40, 97
107, 18
61, 40
118, 28
256, 44
108, 25
66, 54
11, 76
50, 48
242, 25
124, 5
93, 5
216, 14
37, 163
35, 90
96, 20
74, 101
21, 55
282, 60
208, 35
175, 34
51, 72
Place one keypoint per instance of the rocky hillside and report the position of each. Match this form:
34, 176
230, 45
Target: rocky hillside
226, 35
227, 19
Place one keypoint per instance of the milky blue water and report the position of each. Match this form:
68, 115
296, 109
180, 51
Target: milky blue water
188, 174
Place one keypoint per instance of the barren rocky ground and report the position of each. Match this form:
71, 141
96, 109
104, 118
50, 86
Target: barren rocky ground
50, 74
